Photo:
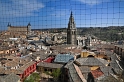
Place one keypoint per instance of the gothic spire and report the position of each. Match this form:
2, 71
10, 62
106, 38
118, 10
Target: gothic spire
71, 21
71, 14
9, 24
29, 24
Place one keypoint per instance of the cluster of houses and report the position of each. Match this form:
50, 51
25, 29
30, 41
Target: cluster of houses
19, 58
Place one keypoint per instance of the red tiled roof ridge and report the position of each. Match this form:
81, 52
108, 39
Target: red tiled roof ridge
97, 73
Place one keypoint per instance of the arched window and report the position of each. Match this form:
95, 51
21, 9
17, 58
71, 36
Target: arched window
74, 32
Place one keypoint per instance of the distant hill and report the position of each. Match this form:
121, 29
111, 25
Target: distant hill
111, 33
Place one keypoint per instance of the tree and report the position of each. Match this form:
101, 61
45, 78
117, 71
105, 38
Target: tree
34, 77
56, 74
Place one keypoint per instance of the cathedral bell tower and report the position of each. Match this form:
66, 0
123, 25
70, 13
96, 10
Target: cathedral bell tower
29, 28
71, 31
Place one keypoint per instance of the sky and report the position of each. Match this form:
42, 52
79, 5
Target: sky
56, 13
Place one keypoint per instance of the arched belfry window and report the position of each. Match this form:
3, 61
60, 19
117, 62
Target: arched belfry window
74, 32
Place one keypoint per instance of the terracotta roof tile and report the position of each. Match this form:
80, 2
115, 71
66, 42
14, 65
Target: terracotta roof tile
97, 73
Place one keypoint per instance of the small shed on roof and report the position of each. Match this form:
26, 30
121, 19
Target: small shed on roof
63, 58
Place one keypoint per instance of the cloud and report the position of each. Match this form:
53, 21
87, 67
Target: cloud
49, 0
121, 0
19, 8
92, 2
60, 13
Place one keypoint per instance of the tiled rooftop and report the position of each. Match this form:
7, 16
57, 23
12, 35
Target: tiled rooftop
10, 78
91, 61
16, 65
63, 58
73, 73
85, 69
50, 65
97, 73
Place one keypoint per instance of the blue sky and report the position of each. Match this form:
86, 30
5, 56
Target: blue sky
55, 13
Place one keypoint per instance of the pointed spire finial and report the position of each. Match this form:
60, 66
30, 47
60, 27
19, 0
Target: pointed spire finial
71, 13
9, 24
29, 24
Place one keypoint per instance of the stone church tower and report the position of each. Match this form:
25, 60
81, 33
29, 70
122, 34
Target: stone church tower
71, 31
29, 28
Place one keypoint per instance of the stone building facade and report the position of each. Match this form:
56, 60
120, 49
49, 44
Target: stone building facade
119, 49
19, 31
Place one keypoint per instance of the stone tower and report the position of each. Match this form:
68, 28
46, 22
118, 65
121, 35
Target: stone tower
71, 31
9, 25
29, 28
